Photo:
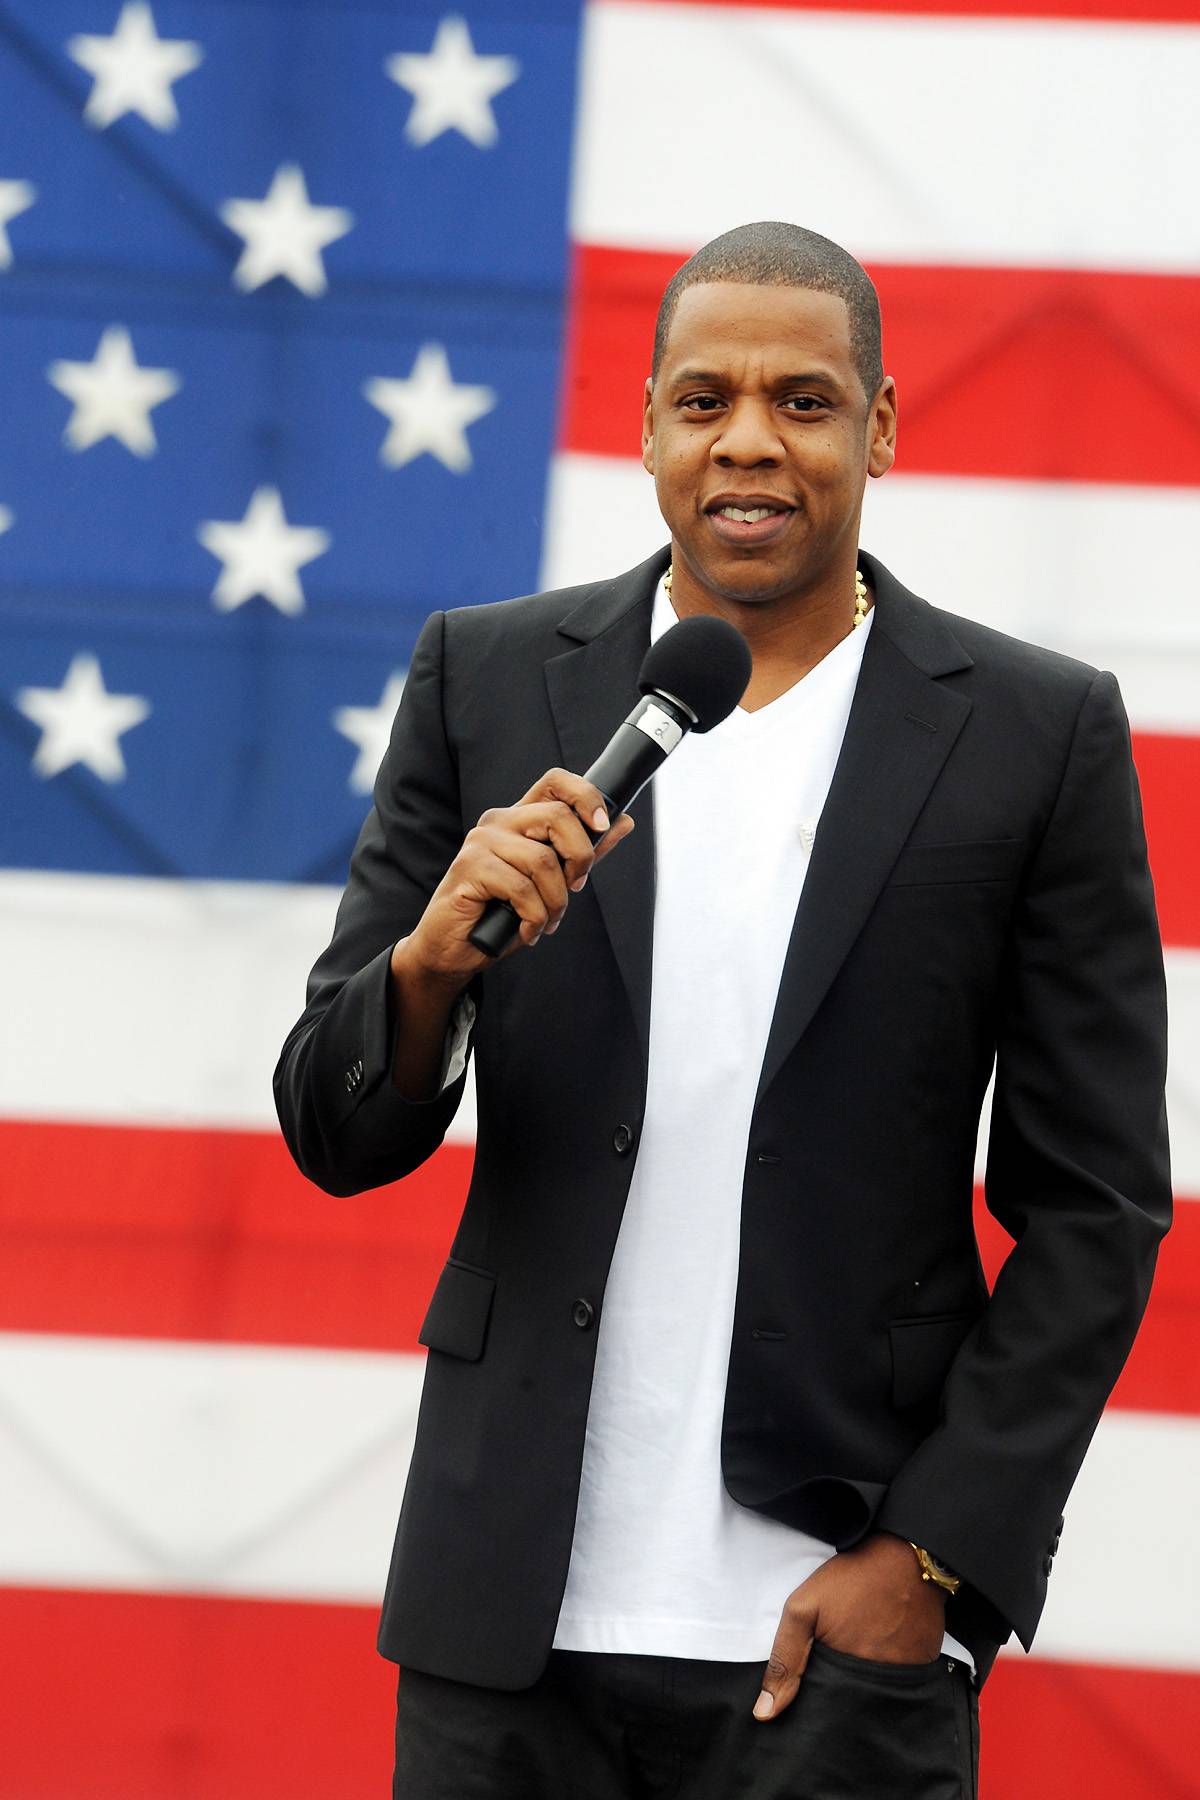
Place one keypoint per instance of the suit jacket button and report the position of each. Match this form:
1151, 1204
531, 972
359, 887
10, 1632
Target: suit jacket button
1047, 1565
349, 1081
623, 1140
583, 1312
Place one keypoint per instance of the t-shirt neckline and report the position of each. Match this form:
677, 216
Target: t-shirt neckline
852, 646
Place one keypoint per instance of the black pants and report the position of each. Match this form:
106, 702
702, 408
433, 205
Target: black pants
645, 1727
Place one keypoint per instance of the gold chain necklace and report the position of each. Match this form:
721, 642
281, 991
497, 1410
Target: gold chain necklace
860, 593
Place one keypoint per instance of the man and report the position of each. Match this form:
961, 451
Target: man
730, 1477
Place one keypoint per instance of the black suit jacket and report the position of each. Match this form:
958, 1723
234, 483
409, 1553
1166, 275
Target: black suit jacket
978, 892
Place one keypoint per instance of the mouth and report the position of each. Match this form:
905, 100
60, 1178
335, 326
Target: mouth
748, 519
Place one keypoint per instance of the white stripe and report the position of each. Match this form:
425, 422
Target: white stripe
201, 1468
195, 986
237, 1470
144, 955
1076, 149
1092, 571
152, 1002
1105, 1604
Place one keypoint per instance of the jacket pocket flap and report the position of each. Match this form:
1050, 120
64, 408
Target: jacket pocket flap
991, 859
457, 1320
922, 1351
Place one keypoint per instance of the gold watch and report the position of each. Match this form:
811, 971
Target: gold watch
933, 1570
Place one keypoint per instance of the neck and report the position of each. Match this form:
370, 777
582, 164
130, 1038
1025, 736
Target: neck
787, 636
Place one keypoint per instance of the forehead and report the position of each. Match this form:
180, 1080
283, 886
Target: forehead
727, 321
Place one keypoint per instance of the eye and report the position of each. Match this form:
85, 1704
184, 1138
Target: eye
804, 402
701, 402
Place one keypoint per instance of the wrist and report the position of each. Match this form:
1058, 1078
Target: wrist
421, 980
911, 1565
942, 1579
422, 1006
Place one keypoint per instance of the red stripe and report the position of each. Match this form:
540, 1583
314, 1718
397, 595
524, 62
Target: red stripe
169, 1697
213, 1236
1061, 1731
175, 1697
1169, 771
1025, 374
1183, 12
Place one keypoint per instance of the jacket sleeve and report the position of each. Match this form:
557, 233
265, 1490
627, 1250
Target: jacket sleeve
345, 1124
1077, 1173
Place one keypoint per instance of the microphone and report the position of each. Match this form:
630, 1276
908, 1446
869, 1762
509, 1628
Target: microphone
690, 680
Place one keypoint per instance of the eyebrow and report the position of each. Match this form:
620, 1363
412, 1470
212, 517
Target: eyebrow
808, 378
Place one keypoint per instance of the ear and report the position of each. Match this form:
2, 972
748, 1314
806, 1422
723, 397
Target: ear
648, 428
881, 424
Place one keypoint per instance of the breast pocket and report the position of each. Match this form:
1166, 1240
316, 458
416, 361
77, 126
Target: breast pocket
457, 1320
990, 859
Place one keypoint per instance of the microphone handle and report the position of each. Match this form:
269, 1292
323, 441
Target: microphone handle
636, 751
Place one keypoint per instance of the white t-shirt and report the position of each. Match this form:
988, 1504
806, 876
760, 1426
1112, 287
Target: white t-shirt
664, 1562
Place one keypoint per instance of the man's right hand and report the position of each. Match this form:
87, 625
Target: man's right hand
533, 855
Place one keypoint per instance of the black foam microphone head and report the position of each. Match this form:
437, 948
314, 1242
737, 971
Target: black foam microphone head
704, 663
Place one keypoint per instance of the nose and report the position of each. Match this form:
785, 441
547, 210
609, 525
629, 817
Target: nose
749, 436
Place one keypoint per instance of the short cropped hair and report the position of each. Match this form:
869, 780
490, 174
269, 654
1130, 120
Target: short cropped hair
773, 254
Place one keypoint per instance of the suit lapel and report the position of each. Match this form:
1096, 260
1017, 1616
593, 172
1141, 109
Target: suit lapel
903, 724
591, 686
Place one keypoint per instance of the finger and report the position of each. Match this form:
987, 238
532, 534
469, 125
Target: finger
531, 858
579, 863
547, 821
541, 863
490, 876
583, 797
523, 836
621, 829
573, 844
786, 1663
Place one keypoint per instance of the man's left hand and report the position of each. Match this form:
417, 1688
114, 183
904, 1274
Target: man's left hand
870, 1601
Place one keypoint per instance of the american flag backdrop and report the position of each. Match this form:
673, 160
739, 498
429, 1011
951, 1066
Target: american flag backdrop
318, 315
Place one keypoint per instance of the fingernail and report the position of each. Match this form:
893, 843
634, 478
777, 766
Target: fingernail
764, 1706
600, 819
577, 887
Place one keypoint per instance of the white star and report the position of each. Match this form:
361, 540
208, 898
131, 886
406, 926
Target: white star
134, 69
15, 197
113, 395
428, 412
285, 233
262, 554
81, 721
453, 88
370, 727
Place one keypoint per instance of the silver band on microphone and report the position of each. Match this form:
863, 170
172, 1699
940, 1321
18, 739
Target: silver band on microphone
659, 725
